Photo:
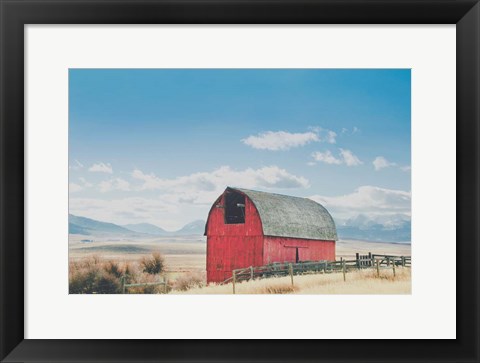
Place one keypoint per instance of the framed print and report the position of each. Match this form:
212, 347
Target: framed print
239, 181
276, 232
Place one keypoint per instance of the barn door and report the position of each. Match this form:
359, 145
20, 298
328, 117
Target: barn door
296, 254
289, 254
303, 254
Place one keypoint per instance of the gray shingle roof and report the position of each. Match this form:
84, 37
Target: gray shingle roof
286, 216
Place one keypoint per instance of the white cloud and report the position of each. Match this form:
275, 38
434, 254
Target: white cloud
204, 187
349, 158
331, 137
283, 140
354, 130
326, 157
280, 140
368, 200
172, 202
169, 211
101, 168
74, 188
85, 183
380, 163
345, 157
77, 187
136, 210
324, 135
406, 168
114, 184
77, 165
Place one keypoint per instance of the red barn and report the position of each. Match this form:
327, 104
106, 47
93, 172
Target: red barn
250, 228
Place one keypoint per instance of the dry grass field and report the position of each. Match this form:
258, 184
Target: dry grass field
185, 265
348, 248
357, 282
182, 254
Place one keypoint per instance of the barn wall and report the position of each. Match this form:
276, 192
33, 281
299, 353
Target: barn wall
232, 246
281, 249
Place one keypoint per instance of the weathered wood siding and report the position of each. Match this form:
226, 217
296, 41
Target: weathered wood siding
282, 249
232, 246
236, 246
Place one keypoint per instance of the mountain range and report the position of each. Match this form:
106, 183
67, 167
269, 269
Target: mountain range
192, 228
376, 233
391, 228
88, 226
395, 228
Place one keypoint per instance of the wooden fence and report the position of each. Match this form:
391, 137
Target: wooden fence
277, 269
164, 283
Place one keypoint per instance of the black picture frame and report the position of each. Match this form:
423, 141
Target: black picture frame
15, 14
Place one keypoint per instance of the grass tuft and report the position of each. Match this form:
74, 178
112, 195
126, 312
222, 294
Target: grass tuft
189, 281
153, 265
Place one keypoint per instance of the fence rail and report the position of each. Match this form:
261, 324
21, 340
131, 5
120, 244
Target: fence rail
141, 284
278, 269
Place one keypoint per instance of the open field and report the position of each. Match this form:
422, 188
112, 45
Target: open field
348, 248
357, 282
182, 254
188, 253
185, 258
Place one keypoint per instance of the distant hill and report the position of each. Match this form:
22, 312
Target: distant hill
74, 229
375, 234
397, 228
87, 226
147, 228
192, 228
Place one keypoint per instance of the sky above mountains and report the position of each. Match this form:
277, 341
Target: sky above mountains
159, 146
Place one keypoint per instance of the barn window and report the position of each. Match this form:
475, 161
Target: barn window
234, 208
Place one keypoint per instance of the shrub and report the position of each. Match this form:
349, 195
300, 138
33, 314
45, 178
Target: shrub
94, 281
188, 281
92, 275
113, 268
108, 284
153, 265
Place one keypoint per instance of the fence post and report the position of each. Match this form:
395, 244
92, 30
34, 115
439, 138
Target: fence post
251, 272
403, 261
165, 283
393, 266
123, 284
234, 277
290, 268
343, 268
378, 269
357, 257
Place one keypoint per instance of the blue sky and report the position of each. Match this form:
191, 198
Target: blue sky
157, 145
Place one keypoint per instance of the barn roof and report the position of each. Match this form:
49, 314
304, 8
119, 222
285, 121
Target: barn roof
286, 216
